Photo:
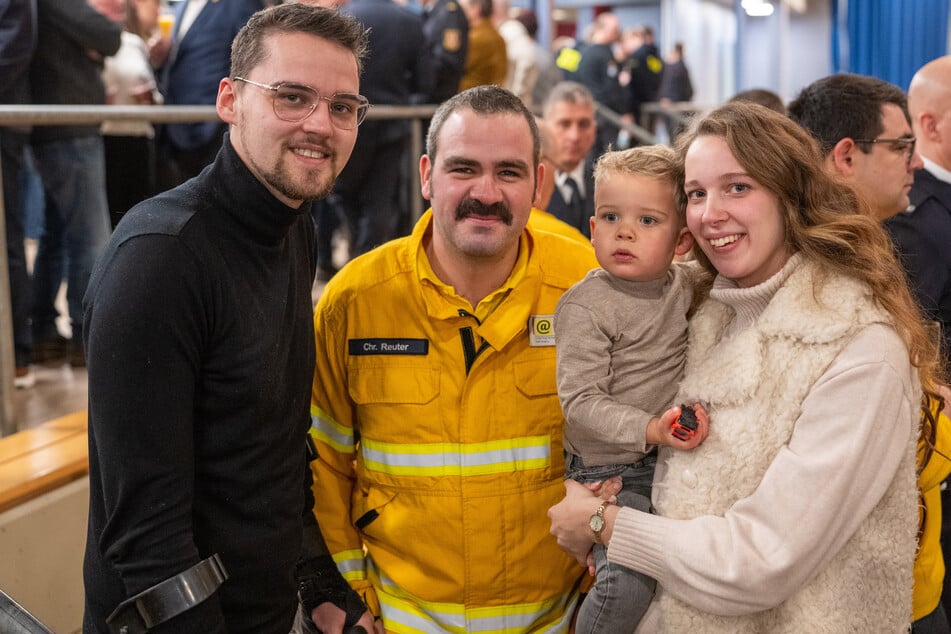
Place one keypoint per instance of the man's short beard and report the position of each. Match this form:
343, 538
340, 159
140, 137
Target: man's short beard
279, 180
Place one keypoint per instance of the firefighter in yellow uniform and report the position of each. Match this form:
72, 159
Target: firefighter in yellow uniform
435, 411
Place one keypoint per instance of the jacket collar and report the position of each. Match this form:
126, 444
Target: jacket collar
518, 294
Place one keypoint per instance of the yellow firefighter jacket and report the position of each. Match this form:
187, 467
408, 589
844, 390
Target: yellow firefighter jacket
440, 439
929, 562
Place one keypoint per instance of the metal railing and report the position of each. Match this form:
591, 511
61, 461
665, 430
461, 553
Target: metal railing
92, 115
642, 135
681, 112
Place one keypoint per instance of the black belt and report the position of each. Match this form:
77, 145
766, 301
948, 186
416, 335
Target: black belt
167, 599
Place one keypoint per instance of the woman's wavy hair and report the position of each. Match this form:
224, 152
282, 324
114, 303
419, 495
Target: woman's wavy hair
824, 220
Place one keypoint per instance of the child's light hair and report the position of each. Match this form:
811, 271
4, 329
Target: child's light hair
656, 161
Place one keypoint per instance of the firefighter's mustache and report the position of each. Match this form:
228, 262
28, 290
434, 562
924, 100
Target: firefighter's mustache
472, 207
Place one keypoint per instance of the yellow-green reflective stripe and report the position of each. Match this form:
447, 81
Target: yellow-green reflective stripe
351, 564
327, 430
457, 459
405, 614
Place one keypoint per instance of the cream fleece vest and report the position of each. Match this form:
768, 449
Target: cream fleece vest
757, 380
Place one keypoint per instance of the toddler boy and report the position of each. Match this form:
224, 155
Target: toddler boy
621, 337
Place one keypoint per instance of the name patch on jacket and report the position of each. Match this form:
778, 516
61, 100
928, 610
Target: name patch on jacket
362, 347
541, 330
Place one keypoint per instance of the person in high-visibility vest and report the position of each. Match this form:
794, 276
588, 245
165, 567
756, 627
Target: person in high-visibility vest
435, 409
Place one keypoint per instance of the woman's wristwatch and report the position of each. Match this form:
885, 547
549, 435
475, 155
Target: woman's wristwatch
596, 523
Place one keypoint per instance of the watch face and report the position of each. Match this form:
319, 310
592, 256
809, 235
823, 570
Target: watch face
596, 523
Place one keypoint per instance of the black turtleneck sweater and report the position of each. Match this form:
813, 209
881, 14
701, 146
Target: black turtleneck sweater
200, 347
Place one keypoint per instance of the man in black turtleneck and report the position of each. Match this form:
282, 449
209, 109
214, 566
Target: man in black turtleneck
200, 348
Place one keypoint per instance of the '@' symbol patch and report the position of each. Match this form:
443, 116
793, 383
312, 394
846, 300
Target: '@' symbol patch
543, 326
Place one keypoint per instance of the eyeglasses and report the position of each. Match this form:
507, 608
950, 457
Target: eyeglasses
296, 102
902, 145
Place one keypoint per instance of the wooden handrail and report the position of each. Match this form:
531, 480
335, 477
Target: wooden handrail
38, 460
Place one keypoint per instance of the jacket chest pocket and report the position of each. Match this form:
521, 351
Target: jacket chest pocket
537, 409
395, 399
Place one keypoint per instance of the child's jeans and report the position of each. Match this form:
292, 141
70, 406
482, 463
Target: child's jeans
620, 596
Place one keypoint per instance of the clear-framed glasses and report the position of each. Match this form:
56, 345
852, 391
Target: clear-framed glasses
902, 145
295, 102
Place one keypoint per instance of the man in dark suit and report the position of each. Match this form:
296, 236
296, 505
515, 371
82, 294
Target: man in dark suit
569, 115
646, 70
200, 56
599, 71
72, 40
923, 233
398, 71
446, 30
17, 42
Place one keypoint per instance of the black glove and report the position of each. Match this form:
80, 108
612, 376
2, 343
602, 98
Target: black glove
322, 583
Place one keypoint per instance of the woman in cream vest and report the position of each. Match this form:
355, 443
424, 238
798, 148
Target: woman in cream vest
799, 511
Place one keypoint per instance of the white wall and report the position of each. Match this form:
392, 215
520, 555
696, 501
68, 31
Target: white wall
726, 51
809, 51
42, 543
785, 51
648, 16
708, 32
